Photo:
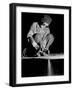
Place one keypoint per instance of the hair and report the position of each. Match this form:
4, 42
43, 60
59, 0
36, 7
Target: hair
46, 19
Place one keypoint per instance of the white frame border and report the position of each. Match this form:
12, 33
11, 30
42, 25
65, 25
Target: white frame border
20, 80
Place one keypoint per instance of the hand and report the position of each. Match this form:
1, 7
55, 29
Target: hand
35, 45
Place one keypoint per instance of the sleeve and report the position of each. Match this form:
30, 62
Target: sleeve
32, 30
47, 31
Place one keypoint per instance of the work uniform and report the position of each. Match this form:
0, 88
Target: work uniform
43, 36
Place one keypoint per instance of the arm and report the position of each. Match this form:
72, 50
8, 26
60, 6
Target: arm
50, 41
32, 31
47, 31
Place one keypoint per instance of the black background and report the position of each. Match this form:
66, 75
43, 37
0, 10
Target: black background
56, 28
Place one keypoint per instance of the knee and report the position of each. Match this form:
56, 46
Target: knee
51, 37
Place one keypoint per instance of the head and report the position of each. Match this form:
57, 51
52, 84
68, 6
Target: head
46, 21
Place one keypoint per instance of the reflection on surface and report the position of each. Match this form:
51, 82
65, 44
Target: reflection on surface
42, 67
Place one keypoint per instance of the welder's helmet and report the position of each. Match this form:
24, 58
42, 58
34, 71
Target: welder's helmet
46, 19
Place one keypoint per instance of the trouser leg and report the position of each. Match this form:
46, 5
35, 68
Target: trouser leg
50, 40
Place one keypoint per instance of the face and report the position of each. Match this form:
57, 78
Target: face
44, 25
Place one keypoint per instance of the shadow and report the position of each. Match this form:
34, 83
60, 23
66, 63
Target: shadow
7, 84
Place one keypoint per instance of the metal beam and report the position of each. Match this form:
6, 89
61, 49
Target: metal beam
51, 56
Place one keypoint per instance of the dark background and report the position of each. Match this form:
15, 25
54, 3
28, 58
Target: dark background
56, 28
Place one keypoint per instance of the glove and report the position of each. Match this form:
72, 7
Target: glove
35, 45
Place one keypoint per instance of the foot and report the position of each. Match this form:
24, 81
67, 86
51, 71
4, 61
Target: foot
46, 51
39, 53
